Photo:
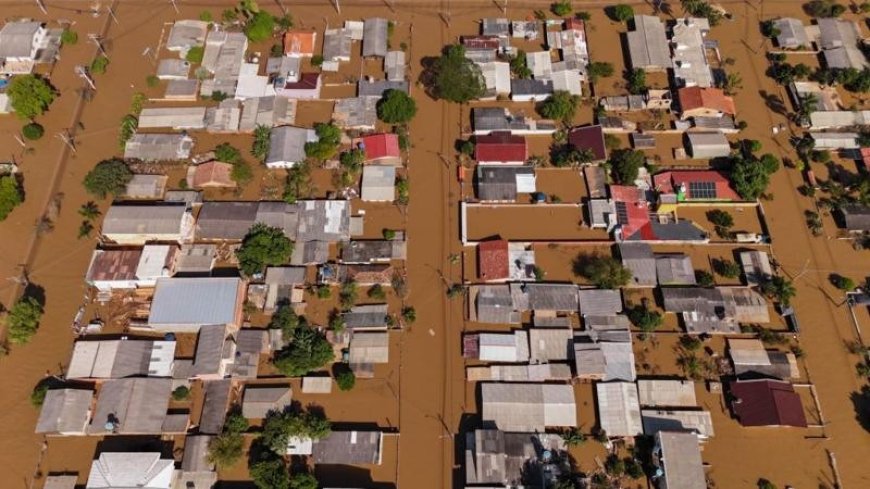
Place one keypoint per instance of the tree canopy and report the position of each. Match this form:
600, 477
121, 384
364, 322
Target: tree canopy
279, 427
605, 272
646, 320
636, 81
824, 8
286, 319
263, 246
308, 350
751, 177
455, 77
270, 474
626, 164
620, 12
598, 69
328, 140
10, 195
260, 26
559, 106
30, 95
23, 320
396, 107
262, 142
561, 8
108, 177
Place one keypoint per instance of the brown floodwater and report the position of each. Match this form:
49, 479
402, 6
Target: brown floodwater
423, 391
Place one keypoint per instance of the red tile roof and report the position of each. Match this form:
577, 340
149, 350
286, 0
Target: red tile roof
481, 42
379, 146
500, 147
705, 98
865, 158
767, 403
213, 174
117, 264
492, 260
671, 181
626, 193
574, 24
589, 137
300, 42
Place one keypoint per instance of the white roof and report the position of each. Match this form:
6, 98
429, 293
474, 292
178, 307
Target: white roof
378, 183
619, 409
316, 385
747, 352
501, 347
540, 63
689, 56
681, 460
666, 392
699, 422
567, 80
832, 119
496, 76
195, 301
174, 117
142, 470
528, 407
152, 262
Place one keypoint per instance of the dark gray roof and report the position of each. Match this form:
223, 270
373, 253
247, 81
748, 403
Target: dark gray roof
494, 305
368, 251
260, 400
348, 448
310, 253
195, 454
374, 37
639, 258
496, 182
225, 220
600, 302
209, 350
531, 87
857, 217
495, 27
551, 297
285, 275
376, 88
135, 406
64, 411
366, 316
250, 340
214, 406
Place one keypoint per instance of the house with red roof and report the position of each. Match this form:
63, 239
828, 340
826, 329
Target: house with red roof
864, 158
382, 149
700, 185
636, 220
704, 102
300, 43
766, 402
501, 147
591, 138
492, 260
212, 174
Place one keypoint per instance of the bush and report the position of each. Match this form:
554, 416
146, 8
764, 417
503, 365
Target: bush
345, 379
262, 142
377, 292
308, 351
270, 474
704, 278
824, 8
396, 107
604, 271
409, 314
465, 147
181, 393
845, 284
30, 96
303, 481
37, 395
402, 190
99, 65
205, 16
280, 426
263, 246
317, 60
726, 268
32, 131
612, 141
599, 69
241, 173
559, 106
23, 320
152, 81
561, 9
69, 37
690, 343
129, 123
10, 196
328, 140
620, 13
636, 81
194, 54
389, 234
108, 177
645, 320
219, 96
347, 295
227, 153
519, 65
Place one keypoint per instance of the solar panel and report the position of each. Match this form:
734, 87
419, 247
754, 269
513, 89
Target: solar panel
702, 190
621, 213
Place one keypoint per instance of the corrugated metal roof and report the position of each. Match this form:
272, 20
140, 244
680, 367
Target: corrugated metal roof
619, 409
666, 393
65, 411
681, 460
144, 219
195, 301
375, 37
600, 302
131, 406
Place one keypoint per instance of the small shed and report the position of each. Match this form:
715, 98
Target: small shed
707, 145
756, 266
149, 187
316, 384
675, 269
395, 65
173, 69
378, 183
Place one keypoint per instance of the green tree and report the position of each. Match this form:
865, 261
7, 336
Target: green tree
636, 81
633, 468
99, 65
194, 54
520, 66
353, 160
456, 78
262, 140
284, 22
30, 95
704, 278
700, 8
23, 320
726, 268
345, 379
32, 131
614, 465
781, 289
599, 69
270, 474
126, 131
733, 82
242, 173
824, 8
263, 246
227, 153
347, 295
749, 178
845, 284
409, 314
604, 271
723, 222
286, 320
85, 229
10, 195
260, 27
562, 8
279, 427
205, 16
69, 37
181, 393
626, 164
396, 107
377, 292
646, 320
620, 12
573, 437
328, 140
308, 351
559, 106
108, 177
303, 481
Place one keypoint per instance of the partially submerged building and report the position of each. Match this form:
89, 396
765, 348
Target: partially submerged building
186, 304
716, 310
158, 147
678, 458
145, 470
138, 224
65, 412
528, 407
260, 400
765, 402
135, 406
349, 448
619, 409
118, 359
287, 146
689, 58
647, 44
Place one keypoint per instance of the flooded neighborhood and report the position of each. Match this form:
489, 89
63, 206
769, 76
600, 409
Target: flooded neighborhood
453, 244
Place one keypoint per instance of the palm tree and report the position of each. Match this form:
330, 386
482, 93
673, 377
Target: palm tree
807, 105
89, 210
573, 437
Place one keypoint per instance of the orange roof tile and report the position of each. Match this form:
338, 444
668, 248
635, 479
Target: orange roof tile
300, 43
705, 98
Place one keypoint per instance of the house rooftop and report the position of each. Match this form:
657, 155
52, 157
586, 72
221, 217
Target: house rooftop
528, 407
680, 459
666, 393
134, 406
767, 403
492, 260
590, 138
619, 409
692, 98
349, 448
640, 260
196, 301
259, 401
500, 147
144, 470
65, 411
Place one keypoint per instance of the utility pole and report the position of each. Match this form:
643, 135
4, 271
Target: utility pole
174, 5
82, 72
98, 41
112, 14
67, 139
336, 5
41, 5
390, 5
20, 141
